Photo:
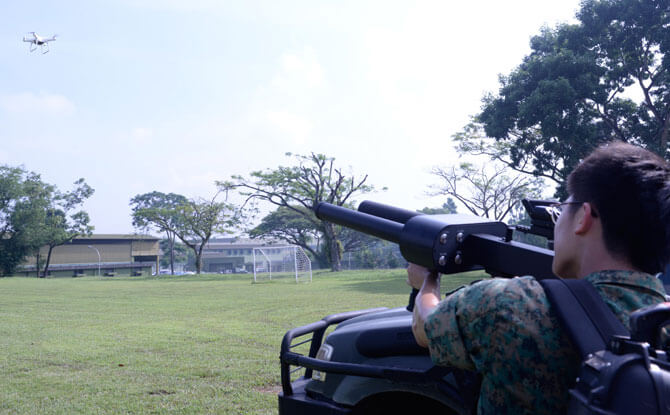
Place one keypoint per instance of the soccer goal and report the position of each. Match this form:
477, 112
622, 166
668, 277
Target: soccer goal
281, 262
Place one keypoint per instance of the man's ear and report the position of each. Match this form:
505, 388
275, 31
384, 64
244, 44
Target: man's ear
584, 219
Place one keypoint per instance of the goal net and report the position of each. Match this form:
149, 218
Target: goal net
282, 262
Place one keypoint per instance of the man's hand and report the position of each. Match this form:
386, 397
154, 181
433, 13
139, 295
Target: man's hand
416, 275
428, 284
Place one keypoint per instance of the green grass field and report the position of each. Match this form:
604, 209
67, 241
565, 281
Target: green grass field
187, 344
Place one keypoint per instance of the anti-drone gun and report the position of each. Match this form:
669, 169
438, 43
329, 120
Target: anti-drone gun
453, 243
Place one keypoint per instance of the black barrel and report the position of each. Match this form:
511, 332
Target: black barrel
363, 222
387, 212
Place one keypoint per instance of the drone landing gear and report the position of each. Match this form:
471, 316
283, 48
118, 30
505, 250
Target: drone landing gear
44, 48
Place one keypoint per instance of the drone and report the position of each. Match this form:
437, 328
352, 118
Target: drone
36, 40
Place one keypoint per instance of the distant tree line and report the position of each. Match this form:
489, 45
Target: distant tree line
35, 214
295, 191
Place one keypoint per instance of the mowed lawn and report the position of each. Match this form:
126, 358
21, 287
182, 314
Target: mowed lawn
187, 344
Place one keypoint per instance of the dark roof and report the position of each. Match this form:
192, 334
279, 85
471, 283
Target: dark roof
118, 236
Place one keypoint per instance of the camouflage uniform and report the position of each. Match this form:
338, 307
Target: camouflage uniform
503, 329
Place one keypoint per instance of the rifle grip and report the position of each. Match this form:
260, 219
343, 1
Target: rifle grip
412, 299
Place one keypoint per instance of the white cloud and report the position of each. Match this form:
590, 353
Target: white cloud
182, 6
141, 134
192, 182
37, 104
299, 71
281, 112
296, 127
432, 64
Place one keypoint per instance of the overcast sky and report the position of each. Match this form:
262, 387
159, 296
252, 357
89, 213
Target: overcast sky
171, 95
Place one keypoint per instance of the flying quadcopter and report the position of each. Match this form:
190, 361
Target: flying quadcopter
37, 40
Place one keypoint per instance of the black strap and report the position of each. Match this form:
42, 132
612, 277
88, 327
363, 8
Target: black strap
583, 313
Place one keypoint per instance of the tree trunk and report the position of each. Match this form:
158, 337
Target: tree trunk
37, 263
198, 263
171, 240
198, 259
664, 136
334, 244
46, 266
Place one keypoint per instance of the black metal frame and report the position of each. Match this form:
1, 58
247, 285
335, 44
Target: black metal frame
310, 363
502, 258
317, 330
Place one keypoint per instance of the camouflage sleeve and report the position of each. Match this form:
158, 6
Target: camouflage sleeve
442, 328
467, 327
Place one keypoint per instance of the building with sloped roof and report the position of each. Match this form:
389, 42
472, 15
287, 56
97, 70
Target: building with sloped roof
99, 254
233, 254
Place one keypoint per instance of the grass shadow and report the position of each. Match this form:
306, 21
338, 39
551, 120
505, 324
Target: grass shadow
381, 286
396, 284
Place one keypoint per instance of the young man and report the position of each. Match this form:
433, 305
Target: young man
611, 231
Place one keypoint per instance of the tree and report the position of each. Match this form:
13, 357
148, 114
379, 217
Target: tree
173, 252
161, 212
488, 193
24, 199
307, 232
301, 188
448, 207
294, 228
578, 87
199, 219
64, 221
378, 254
34, 213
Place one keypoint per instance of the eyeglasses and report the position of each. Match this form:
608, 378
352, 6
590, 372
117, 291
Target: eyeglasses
555, 209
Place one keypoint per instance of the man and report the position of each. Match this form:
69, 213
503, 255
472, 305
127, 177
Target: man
611, 231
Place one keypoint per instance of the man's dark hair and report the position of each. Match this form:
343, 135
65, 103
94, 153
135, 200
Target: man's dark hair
629, 189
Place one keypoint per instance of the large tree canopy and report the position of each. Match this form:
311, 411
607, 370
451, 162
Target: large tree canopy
194, 221
24, 200
606, 77
34, 214
199, 219
159, 211
295, 228
300, 188
65, 220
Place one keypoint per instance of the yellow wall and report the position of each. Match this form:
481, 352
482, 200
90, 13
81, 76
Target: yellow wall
121, 251
144, 248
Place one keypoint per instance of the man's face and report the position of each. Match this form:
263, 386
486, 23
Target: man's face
566, 247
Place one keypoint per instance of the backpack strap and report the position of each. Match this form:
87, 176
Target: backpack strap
583, 313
